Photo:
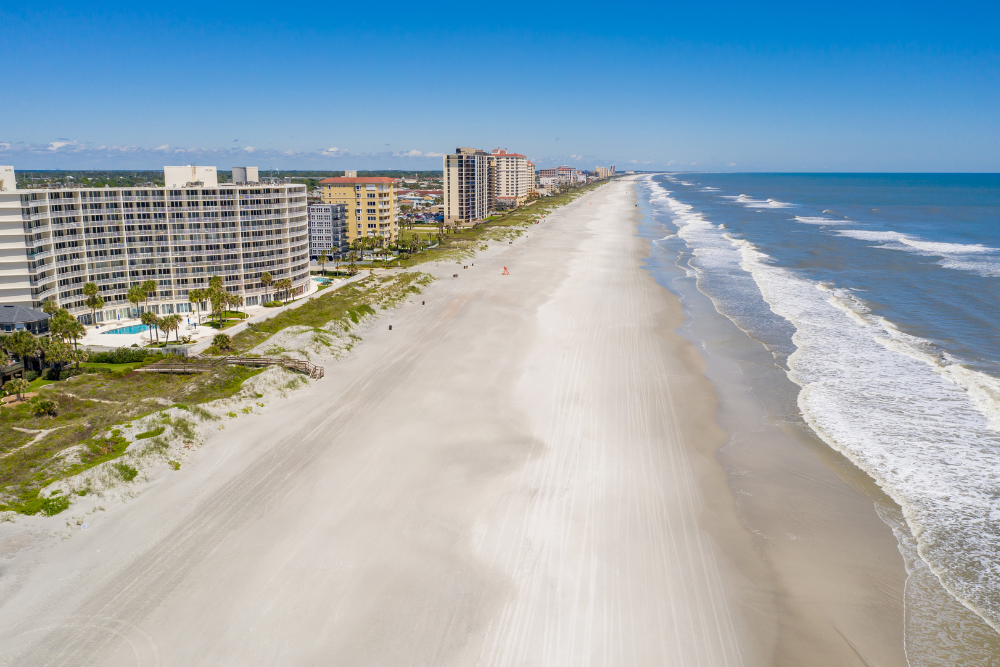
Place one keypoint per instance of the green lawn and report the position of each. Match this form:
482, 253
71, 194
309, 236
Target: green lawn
38, 382
113, 367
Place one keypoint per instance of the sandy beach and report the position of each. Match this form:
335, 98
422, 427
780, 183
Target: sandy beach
523, 471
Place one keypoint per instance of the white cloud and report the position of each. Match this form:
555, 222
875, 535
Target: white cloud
331, 151
163, 148
4, 146
289, 152
249, 149
416, 153
637, 162
671, 162
731, 164
72, 145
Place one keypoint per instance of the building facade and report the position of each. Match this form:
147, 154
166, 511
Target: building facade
512, 181
468, 178
53, 241
372, 209
327, 230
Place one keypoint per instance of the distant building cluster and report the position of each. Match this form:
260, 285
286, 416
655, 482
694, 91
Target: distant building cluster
478, 183
58, 239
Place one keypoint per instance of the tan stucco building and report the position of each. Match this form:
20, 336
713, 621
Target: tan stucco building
372, 208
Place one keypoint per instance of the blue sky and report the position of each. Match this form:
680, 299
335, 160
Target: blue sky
852, 86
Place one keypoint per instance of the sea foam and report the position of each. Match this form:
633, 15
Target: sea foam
926, 428
972, 257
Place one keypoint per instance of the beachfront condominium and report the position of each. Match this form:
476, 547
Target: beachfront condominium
467, 179
55, 240
604, 172
477, 183
512, 182
372, 209
327, 230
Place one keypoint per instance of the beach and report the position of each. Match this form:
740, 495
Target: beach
524, 470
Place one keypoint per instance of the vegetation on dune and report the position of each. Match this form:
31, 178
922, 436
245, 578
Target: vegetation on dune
336, 310
76, 419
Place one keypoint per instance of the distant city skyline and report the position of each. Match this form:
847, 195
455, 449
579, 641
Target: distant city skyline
729, 87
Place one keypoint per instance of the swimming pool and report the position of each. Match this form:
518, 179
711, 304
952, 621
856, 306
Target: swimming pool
133, 329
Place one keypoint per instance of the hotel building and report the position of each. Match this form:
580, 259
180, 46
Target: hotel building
372, 209
468, 185
327, 230
54, 240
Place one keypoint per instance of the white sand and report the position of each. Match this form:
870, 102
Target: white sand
514, 475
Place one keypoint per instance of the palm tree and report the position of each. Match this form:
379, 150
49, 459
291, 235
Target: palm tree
148, 288
163, 324
94, 300
323, 259
136, 295
172, 323
150, 320
16, 386
266, 280
196, 296
352, 258
49, 307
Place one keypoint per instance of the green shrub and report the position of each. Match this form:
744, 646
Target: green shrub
151, 434
125, 471
273, 304
41, 407
31, 376
32, 504
122, 355
222, 342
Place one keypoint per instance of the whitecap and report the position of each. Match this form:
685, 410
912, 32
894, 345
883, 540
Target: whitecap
971, 257
813, 220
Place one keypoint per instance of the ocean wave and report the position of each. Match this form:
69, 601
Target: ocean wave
814, 220
972, 257
750, 202
926, 428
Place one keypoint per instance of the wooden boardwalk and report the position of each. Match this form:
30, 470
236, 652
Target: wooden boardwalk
204, 364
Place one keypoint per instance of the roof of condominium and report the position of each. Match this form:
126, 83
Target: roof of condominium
360, 179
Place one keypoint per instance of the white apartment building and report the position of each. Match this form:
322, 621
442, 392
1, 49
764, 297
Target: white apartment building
512, 179
327, 229
467, 185
54, 240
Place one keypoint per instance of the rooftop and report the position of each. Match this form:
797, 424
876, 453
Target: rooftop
20, 314
359, 179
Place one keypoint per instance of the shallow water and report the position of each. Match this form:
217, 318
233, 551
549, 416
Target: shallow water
877, 296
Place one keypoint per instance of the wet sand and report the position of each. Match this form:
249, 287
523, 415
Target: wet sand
522, 472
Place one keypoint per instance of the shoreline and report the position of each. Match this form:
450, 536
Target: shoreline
523, 470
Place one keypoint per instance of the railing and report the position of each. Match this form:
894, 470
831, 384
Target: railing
203, 364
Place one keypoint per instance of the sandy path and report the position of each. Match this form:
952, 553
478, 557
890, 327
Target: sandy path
512, 476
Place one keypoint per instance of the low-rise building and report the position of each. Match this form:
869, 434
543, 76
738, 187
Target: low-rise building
327, 230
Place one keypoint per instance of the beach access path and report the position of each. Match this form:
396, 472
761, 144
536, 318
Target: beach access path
520, 472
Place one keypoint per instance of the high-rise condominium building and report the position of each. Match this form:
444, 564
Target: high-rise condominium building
54, 240
513, 180
372, 209
468, 174
327, 229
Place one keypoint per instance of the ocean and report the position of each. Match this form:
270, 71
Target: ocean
878, 296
